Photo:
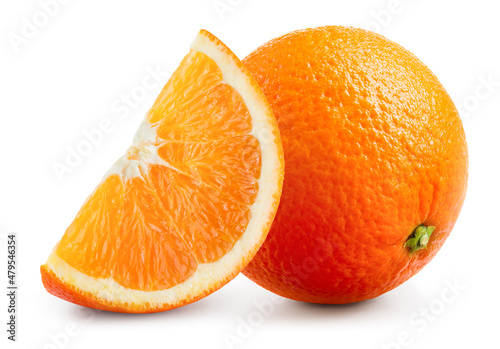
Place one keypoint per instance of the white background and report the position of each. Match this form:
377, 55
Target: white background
72, 72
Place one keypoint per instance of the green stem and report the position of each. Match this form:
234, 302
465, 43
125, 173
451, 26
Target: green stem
419, 238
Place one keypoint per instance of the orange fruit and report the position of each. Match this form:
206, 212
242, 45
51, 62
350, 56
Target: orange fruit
188, 205
376, 165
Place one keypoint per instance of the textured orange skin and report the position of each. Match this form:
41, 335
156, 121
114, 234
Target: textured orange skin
373, 147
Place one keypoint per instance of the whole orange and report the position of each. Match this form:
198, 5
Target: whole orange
375, 165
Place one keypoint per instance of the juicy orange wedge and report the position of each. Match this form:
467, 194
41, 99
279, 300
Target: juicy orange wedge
188, 205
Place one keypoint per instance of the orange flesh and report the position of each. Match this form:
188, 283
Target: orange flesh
151, 231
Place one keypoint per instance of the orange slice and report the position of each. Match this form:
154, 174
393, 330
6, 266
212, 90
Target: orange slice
188, 205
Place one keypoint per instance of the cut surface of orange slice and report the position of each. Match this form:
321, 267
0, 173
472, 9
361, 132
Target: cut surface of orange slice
188, 205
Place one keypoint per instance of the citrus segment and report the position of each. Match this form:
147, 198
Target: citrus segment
85, 245
221, 113
190, 202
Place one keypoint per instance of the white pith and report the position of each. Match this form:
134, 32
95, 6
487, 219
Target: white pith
206, 274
